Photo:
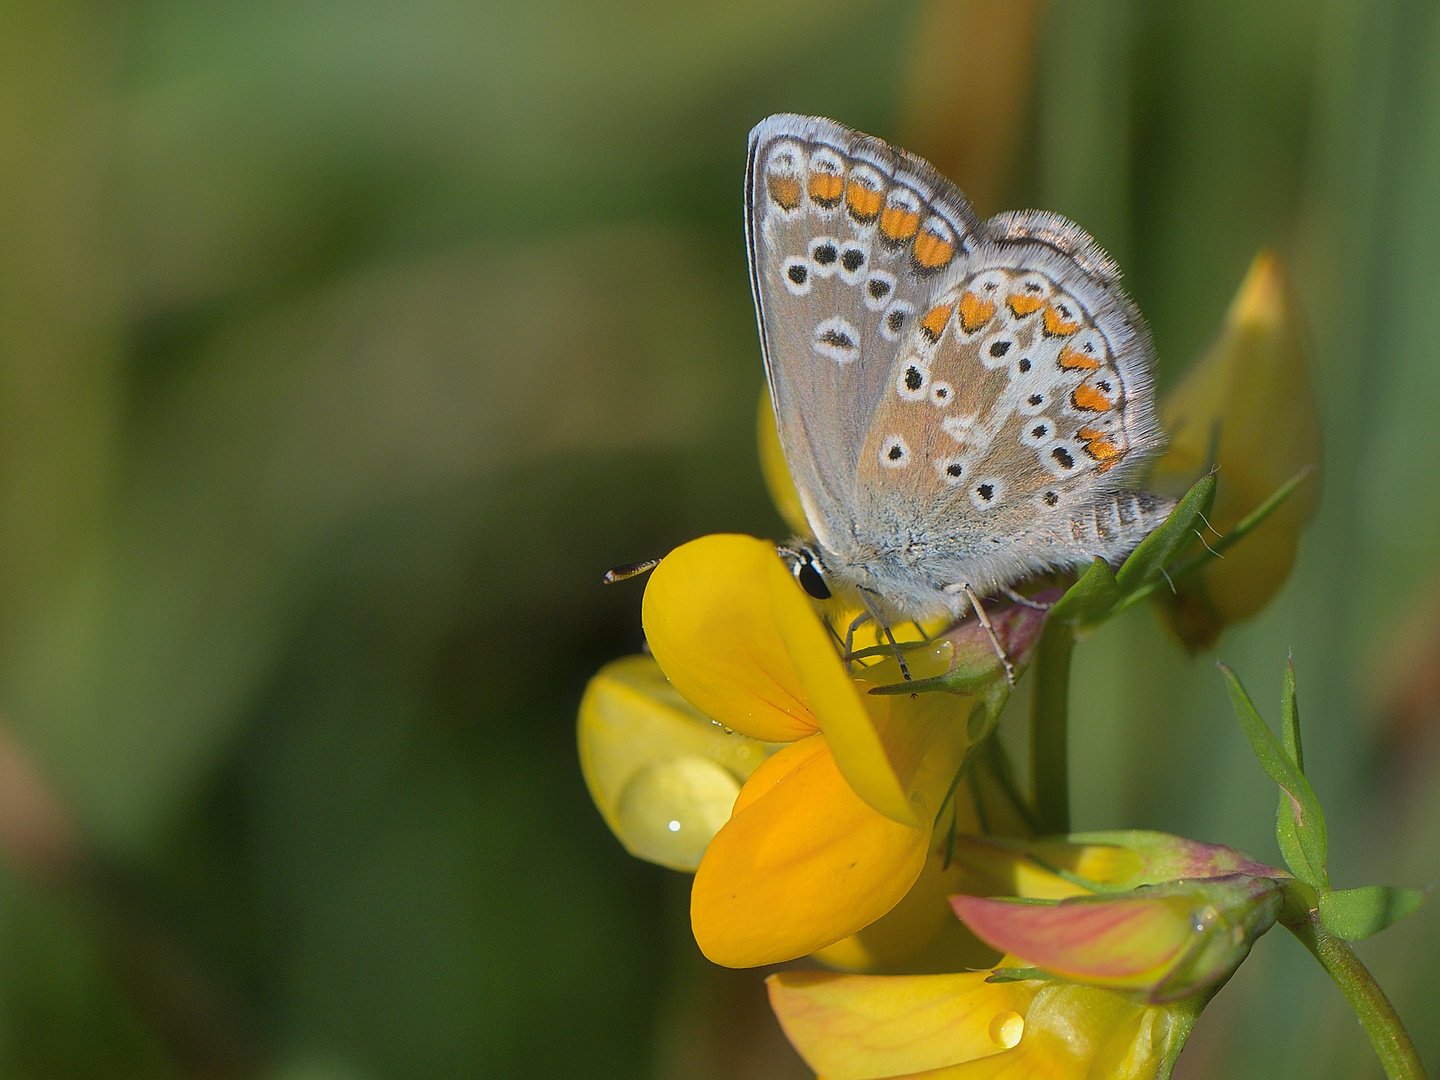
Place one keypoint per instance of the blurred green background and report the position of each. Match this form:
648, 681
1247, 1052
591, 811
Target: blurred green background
342, 346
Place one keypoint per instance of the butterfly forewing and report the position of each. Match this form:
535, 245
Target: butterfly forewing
846, 238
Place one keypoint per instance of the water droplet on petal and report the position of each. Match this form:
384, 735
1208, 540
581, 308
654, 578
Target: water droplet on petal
669, 810
1006, 1029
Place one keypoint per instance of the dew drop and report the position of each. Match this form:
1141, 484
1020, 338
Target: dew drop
1006, 1029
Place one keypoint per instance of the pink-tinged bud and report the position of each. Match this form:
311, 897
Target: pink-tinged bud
1165, 941
1116, 861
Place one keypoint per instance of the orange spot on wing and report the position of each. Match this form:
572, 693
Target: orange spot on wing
1091, 399
1072, 359
932, 251
1104, 450
785, 190
1057, 325
862, 201
1023, 304
934, 321
826, 188
974, 312
899, 224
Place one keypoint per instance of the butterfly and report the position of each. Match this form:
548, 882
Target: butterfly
962, 404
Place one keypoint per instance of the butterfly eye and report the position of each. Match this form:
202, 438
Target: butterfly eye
810, 580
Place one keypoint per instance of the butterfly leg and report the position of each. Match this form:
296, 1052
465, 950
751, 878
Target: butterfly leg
990, 631
855, 624
1025, 601
885, 629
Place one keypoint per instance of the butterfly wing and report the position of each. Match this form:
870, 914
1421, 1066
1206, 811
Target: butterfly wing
845, 236
1020, 404
957, 402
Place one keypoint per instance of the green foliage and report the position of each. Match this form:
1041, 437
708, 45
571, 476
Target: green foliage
1174, 535
1090, 599
1301, 830
1354, 914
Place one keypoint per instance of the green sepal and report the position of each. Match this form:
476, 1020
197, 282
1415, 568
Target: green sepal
1173, 535
1286, 827
1188, 566
1353, 914
1090, 599
1290, 718
1304, 843
1021, 974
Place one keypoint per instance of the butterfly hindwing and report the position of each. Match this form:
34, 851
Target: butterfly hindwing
1016, 400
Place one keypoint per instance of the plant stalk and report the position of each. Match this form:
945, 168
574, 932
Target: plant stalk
1049, 738
1377, 1016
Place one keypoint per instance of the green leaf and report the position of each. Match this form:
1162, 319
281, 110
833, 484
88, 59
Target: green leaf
1304, 844
1173, 535
1353, 914
1290, 717
1090, 599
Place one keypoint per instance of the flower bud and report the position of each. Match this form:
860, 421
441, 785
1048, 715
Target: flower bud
1248, 397
1166, 941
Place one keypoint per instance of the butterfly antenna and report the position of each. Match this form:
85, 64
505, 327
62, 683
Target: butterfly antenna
630, 570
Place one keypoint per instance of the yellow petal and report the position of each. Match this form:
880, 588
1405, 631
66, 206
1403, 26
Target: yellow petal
898, 753
801, 866
1253, 385
775, 471
920, 934
1076, 1033
741, 641
663, 775
860, 1027
709, 618
1000, 870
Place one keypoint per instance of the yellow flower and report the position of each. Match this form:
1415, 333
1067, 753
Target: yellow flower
663, 775
962, 1027
1160, 945
830, 833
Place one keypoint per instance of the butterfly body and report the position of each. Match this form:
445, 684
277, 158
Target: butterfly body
961, 404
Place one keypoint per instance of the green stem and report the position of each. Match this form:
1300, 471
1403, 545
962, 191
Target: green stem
1377, 1016
1049, 712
